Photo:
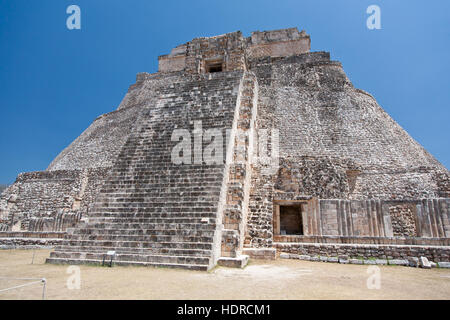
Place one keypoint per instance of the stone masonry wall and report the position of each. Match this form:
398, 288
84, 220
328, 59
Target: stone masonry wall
335, 142
98, 145
44, 195
355, 170
278, 43
72, 181
377, 218
43, 191
228, 48
403, 219
365, 251
151, 208
232, 49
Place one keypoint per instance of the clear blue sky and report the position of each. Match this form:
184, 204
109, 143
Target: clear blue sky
54, 82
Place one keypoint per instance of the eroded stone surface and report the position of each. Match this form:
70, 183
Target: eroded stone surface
354, 175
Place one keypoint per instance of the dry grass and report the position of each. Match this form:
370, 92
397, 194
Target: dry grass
281, 279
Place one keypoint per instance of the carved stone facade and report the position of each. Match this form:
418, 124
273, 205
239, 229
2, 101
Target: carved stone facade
232, 51
403, 219
308, 159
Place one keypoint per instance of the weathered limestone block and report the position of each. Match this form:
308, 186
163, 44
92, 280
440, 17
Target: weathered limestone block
398, 262
424, 263
413, 262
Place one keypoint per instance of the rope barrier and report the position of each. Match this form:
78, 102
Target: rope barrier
6, 278
22, 285
38, 280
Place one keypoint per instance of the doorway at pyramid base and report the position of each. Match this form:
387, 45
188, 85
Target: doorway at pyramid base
300, 226
326, 229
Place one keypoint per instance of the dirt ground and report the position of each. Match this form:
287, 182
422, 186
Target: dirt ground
280, 279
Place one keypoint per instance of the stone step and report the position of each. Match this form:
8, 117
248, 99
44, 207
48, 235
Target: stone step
152, 251
146, 238
161, 147
154, 169
154, 176
138, 244
143, 232
136, 213
151, 226
149, 186
146, 186
209, 190
196, 220
187, 206
170, 201
33, 234
154, 191
140, 157
127, 263
17, 242
149, 189
210, 193
143, 193
150, 210
132, 257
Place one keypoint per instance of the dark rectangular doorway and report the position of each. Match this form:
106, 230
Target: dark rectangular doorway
214, 66
291, 220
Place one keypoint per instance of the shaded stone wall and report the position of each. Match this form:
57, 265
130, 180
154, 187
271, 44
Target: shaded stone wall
99, 145
38, 199
89, 190
42, 191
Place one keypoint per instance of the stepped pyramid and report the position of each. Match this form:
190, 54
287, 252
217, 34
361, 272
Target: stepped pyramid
237, 147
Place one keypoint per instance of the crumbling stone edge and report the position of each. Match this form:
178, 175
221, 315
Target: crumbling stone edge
414, 262
29, 243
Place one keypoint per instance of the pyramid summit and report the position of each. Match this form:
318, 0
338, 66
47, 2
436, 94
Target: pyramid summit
237, 147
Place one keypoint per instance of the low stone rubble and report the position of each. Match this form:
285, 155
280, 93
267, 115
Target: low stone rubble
398, 262
424, 263
414, 262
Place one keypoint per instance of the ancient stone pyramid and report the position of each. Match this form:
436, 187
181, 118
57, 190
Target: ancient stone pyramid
236, 147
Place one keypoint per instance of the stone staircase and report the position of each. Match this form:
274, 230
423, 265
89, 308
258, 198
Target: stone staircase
239, 174
151, 211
